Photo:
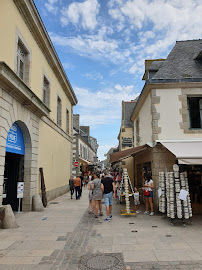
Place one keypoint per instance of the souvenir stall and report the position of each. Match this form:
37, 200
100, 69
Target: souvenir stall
174, 197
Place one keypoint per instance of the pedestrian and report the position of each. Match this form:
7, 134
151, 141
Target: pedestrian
84, 181
90, 197
82, 178
71, 185
148, 194
137, 200
108, 188
77, 186
97, 195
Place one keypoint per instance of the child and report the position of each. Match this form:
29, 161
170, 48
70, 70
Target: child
137, 200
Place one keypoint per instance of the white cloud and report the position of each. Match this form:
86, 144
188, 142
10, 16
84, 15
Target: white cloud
84, 13
103, 107
51, 6
137, 30
93, 75
95, 46
161, 23
103, 149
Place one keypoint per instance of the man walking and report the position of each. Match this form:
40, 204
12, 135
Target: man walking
108, 187
77, 186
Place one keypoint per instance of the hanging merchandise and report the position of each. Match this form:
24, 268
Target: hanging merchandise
175, 199
126, 181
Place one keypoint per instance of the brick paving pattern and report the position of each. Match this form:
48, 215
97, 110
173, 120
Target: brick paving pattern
69, 257
186, 265
65, 236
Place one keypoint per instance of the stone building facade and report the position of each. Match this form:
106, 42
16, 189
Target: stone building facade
36, 100
163, 114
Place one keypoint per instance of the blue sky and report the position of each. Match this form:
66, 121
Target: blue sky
102, 45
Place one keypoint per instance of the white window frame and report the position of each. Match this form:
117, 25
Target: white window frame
46, 98
21, 42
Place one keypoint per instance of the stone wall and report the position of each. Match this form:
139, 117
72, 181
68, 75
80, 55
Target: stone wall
12, 111
161, 160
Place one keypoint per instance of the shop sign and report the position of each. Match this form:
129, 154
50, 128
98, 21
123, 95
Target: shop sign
20, 190
15, 141
127, 142
76, 164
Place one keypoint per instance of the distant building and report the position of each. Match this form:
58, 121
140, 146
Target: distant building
84, 148
107, 155
126, 135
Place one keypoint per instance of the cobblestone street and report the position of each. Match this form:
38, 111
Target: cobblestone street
65, 236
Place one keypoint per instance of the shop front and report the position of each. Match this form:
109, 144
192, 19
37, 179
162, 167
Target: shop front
14, 167
189, 158
85, 165
21, 112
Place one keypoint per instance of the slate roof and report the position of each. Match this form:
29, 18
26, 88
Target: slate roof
128, 108
155, 65
182, 61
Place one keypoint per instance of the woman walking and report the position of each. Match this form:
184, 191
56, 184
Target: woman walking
90, 197
97, 195
71, 185
148, 194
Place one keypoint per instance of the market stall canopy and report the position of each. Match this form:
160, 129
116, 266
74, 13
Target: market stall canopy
85, 161
187, 152
117, 156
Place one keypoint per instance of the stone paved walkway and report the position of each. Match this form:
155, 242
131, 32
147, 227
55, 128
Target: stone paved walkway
65, 235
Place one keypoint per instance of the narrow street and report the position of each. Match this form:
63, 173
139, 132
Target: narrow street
58, 238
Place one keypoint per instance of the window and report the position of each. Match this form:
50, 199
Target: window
80, 150
67, 121
22, 62
123, 129
83, 152
59, 111
195, 112
46, 92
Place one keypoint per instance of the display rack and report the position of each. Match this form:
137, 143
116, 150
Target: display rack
171, 183
126, 181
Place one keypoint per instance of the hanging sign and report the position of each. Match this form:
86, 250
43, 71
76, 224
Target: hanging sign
15, 141
20, 190
127, 142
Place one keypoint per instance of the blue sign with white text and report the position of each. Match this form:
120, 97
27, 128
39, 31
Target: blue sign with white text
15, 141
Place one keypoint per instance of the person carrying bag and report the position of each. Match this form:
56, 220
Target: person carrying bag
148, 194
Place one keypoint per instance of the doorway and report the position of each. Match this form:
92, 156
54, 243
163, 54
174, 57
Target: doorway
13, 173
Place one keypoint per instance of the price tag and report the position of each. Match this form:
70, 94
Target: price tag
159, 192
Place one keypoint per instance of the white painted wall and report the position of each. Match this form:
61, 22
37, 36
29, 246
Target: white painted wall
145, 122
90, 153
170, 117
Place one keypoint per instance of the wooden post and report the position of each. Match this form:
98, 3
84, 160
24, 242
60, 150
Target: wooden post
43, 188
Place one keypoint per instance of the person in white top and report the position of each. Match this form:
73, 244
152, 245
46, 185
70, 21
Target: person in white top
136, 200
148, 194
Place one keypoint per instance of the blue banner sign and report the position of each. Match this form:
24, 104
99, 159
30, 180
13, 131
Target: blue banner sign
15, 141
